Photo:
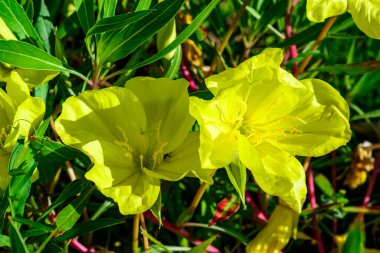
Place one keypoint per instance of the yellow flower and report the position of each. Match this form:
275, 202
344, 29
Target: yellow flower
20, 115
281, 225
366, 13
264, 116
135, 137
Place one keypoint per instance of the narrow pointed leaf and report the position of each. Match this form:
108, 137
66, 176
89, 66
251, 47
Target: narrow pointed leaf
87, 227
201, 248
16, 19
117, 22
106, 8
85, 10
237, 173
17, 242
120, 44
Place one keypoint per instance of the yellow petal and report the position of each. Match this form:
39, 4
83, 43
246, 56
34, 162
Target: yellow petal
5, 32
18, 91
112, 115
131, 189
7, 110
219, 120
276, 172
366, 14
319, 10
281, 225
317, 125
34, 77
166, 104
253, 70
27, 118
183, 161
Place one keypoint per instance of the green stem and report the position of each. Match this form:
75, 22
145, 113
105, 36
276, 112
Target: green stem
135, 233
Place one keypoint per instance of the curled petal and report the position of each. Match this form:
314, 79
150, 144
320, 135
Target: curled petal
27, 118
253, 70
276, 172
219, 120
281, 225
317, 125
113, 115
319, 10
131, 189
366, 14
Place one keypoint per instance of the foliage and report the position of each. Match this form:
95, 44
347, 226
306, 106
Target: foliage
78, 157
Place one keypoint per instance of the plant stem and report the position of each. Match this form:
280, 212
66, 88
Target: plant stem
228, 35
198, 196
289, 32
313, 203
371, 185
135, 233
145, 238
316, 44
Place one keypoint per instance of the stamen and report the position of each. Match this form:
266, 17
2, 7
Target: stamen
125, 144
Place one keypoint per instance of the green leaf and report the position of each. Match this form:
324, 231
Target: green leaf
5, 241
50, 155
17, 242
21, 166
29, 9
72, 189
143, 5
201, 248
44, 26
367, 115
357, 68
87, 227
117, 22
175, 64
41, 130
355, 238
156, 209
18, 22
24, 55
34, 224
85, 11
301, 38
106, 8
178, 41
69, 215
120, 44
270, 15
324, 184
237, 173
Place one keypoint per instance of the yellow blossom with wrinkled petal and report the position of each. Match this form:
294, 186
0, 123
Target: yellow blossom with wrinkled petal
365, 13
135, 137
281, 225
20, 115
264, 116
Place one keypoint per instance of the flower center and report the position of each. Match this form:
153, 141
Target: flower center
152, 156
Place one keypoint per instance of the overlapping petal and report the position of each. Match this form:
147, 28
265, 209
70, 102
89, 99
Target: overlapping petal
319, 10
135, 137
166, 106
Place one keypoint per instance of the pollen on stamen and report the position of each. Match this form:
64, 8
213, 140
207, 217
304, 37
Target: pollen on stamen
125, 144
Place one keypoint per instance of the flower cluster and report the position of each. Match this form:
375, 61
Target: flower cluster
366, 13
21, 114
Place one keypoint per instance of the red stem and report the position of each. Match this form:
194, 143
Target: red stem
186, 74
371, 185
289, 34
179, 231
260, 215
313, 203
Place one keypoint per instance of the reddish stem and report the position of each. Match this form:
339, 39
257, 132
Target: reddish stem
260, 215
289, 34
186, 74
179, 231
371, 185
313, 203
75, 244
